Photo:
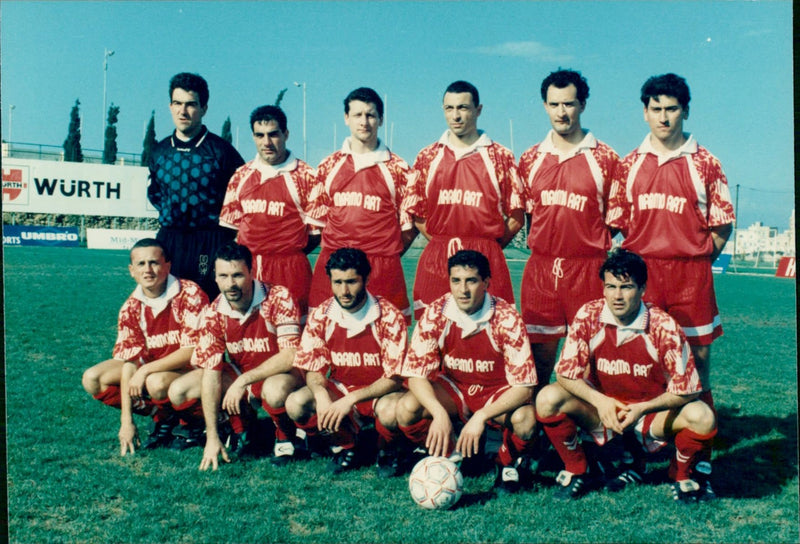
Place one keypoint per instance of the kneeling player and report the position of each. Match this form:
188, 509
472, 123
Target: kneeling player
470, 358
157, 332
258, 325
352, 350
626, 367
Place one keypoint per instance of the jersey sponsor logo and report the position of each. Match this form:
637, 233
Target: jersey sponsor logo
78, 188
662, 201
468, 364
252, 345
560, 197
357, 199
164, 339
459, 196
350, 358
14, 183
269, 207
614, 367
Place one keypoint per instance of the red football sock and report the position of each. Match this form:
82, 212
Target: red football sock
387, 435
285, 429
237, 423
310, 426
110, 396
513, 446
563, 433
690, 447
416, 432
191, 411
163, 410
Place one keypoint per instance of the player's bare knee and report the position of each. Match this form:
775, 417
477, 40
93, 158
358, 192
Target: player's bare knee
157, 384
177, 392
386, 411
549, 400
91, 381
408, 410
277, 389
523, 421
699, 417
297, 406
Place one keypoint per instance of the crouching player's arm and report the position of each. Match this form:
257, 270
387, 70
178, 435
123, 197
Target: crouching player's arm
177, 360
438, 440
280, 363
665, 401
128, 434
511, 399
211, 393
610, 411
331, 414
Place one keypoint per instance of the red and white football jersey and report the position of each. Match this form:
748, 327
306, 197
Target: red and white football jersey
360, 200
633, 363
151, 328
489, 348
666, 204
270, 205
464, 192
566, 196
271, 324
358, 349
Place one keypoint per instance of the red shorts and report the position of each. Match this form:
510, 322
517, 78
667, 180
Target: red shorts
553, 289
363, 409
473, 398
684, 288
386, 279
433, 277
292, 270
601, 434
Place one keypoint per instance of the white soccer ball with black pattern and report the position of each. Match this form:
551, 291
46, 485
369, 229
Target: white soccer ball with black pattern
436, 483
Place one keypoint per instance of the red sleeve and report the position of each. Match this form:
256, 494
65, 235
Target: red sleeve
393, 338
424, 356
208, 354
508, 178
190, 307
313, 353
574, 359
131, 344
416, 199
511, 334
282, 312
618, 214
231, 213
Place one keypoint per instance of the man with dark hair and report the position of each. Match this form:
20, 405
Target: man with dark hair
363, 185
470, 359
566, 179
189, 172
671, 200
463, 193
268, 202
351, 351
249, 337
156, 334
626, 369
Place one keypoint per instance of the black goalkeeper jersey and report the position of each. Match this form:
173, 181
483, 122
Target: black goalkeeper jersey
188, 179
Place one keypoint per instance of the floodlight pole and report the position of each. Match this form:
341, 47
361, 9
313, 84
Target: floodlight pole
10, 120
305, 140
106, 53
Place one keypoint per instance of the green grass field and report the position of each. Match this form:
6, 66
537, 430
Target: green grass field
67, 482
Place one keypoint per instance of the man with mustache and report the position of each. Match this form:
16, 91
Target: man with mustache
351, 351
463, 193
626, 369
257, 325
157, 331
268, 202
363, 185
189, 173
567, 178
469, 359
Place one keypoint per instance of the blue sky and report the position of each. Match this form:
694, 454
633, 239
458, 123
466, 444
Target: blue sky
735, 55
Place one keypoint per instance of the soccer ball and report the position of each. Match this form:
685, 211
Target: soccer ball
436, 483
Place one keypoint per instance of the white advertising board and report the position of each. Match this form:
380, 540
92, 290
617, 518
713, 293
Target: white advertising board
75, 188
115, 239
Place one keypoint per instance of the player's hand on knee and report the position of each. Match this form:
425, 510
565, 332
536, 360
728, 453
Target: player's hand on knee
232, 399
611, 413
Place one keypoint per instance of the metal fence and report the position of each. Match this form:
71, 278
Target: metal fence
23, 150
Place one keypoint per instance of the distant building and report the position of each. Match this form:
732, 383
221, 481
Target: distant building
759, 240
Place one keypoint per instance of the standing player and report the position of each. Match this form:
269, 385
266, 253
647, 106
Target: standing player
157, 332
257, 326
189, 172
470, 358
567, 178
364, 184
626, 367
352, 351
463, 193
671, 201
268, 202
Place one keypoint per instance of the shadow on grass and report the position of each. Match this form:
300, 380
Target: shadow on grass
755, 456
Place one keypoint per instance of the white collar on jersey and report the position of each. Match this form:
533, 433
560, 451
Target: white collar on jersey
625, 332
547, 146
469, 323
162, 301
689, 147
365, 160
482, 141
259, 295
357, 321
269, 171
